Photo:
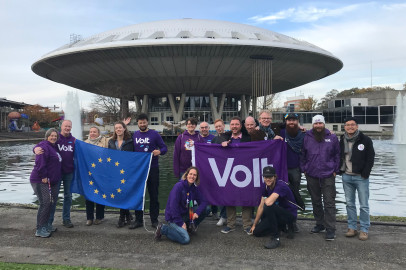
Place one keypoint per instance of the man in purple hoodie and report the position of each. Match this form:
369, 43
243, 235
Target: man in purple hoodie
66, 147
320, 162
182, 154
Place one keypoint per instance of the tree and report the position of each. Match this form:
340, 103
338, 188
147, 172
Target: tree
42, 115
271, 102
106, 107
308, 104
332, 94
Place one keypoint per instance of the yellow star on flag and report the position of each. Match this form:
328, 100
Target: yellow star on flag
104, 196
122, 181
121, 171
91, 183
100, 160
117, 163
90, 173
108, 159
119, 190
96, 191
112, 196
93, 165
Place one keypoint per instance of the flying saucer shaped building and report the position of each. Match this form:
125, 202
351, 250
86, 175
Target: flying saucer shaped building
174, 69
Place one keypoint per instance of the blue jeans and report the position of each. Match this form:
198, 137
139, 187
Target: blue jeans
178, 234
67, 195
353, 184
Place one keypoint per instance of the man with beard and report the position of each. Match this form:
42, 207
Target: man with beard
148, 140
237, 137
357, 160
320, 162
293, 137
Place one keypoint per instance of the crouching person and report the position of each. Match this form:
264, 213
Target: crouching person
276, 210
180, 213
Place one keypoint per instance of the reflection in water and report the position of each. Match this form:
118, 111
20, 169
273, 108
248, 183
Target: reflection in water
387, 180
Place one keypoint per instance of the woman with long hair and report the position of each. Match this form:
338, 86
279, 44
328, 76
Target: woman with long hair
122, 140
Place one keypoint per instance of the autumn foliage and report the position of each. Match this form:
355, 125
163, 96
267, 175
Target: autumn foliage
42, 115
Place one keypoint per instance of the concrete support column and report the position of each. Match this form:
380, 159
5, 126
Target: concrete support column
244, 110
177, 112
217, 113
254, 107
137, 104
124, 109
144, 108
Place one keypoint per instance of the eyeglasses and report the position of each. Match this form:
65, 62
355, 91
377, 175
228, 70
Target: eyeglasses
204, 127
266, 118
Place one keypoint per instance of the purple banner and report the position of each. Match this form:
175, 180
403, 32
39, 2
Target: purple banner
232, 176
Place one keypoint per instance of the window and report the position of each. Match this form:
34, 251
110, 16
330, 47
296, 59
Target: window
154, 120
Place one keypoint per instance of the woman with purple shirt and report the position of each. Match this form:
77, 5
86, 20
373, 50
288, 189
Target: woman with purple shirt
276, 210
45, 178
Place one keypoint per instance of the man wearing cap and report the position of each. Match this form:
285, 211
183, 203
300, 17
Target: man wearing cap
320, 162
293, 137
357, 160
276, 210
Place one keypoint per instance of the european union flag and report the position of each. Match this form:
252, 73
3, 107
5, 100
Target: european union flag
110, 177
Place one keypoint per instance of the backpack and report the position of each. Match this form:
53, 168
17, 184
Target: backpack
298, 198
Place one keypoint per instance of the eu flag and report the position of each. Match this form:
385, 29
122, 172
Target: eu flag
110, 177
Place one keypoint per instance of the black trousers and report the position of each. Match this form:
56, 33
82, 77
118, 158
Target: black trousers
90, 210
153, 187
273, 219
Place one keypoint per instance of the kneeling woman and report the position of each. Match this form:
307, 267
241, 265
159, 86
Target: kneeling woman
276, 210
183, 199
45, 178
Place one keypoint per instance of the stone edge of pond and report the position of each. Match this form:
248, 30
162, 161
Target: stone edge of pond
375, 220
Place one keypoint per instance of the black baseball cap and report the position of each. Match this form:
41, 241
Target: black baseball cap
269, 172
291, 116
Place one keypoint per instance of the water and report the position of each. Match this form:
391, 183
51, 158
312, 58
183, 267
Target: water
387, 181
72, 112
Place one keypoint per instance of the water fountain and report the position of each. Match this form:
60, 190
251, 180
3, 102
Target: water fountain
72, 112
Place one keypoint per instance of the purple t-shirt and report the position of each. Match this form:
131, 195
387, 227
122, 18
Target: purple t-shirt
147, 142
285, 195
208, 138
66, 147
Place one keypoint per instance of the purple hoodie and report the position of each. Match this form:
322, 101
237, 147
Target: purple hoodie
182, 154
177, 205
320, 160
47, 165
66, 147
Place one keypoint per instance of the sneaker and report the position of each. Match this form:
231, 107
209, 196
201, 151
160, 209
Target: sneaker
158, 234
209, 214
363, 236
295, 227
135, 224
330, 235
67, 223
291, 231
248, 231
89, 222
227, 230
97, 222
51, 228
154, 224
351, 233
273, 243
318, 229
42, 232
221, 222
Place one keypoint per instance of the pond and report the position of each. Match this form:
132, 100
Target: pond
387, 180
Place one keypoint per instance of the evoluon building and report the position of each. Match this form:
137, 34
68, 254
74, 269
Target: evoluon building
174, 69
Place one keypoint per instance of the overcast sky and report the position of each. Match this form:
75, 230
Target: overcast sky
363, 34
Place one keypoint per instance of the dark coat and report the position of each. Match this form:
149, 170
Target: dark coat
362, 157
128, 145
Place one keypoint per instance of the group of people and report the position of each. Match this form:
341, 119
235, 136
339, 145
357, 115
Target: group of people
317, 153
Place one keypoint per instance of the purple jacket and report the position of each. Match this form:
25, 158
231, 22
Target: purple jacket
178, 200
47, 165
66, 147
148, 142
182, 154
320, 160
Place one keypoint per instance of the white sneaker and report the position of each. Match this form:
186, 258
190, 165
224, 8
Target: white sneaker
221, 222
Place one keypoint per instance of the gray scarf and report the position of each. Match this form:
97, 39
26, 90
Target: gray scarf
347, 139
95, 141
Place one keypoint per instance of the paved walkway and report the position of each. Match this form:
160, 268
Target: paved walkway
106, 246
